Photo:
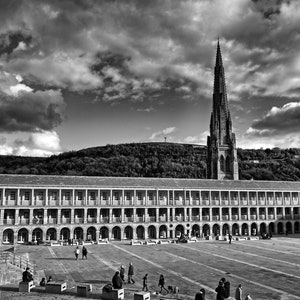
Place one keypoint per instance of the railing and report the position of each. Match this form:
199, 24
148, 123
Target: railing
104, 220
128, 219
78, 220
162, 218
20, 261
24, 221
152, 219
52, 221
92, 220
65, 220
9, 221
205, 218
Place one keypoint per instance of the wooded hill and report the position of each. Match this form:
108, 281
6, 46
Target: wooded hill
155, 160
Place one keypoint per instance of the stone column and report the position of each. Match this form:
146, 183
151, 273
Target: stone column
45, 220
72, 217
84, 215
17, 216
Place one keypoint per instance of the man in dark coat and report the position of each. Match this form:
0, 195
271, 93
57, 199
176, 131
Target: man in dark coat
27, 276
220, 291
117, 281
130, 273
200, 295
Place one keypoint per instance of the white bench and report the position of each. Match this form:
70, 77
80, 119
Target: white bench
142, 296
114, 294
56, 287
26, 286
135, 242
151, 242
84, 290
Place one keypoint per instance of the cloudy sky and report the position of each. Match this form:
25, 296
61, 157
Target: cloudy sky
80, 73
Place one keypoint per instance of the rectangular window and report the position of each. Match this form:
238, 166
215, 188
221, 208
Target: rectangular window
54, 196
67, 196
40, 195
161, 195
27, 196
117, 195
13, 195
151, 196
105, 196
128, 195
80, 196
92, 196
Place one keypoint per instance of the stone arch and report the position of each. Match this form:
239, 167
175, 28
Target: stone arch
116, 233
64, 234
179, 231
91, 234
8, 236
222, 163
163, 232
272, 227
288, 227
128, 233
78, 233
262, 228
51, 234
23, 235
296, 227
235, 229
225, 229
140, 232
254, 229
196, 230
206, 230
37, 234
216, 229
280, 229
152, 232
103, 233
245, 229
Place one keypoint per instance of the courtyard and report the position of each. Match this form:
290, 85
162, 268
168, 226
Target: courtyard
267, 269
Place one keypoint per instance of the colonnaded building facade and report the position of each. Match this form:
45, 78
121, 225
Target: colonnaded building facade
34, 207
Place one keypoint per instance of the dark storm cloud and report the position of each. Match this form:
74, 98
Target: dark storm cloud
31, 111
10, 41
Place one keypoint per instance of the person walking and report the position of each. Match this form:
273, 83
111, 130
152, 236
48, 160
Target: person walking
239, 293
122, 273
161, 283
117, 281
145, 283
200, 295
76, 252
84, 252
130, 273
230, 238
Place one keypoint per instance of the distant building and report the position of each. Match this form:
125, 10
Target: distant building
53, 208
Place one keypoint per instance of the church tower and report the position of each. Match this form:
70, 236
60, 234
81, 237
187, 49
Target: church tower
221, 144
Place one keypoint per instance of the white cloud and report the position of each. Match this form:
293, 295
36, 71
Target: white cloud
200, 139
160, 135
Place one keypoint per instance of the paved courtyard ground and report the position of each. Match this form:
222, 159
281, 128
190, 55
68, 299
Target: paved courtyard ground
267, 269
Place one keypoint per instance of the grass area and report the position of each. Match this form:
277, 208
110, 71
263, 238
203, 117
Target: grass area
267, 269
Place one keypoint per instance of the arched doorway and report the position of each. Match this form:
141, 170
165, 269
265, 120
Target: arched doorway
225, 229
23, 235
288, 227
245, 229
253, 229
179, 231
128, 233
91, 234
262, 228
51, 234
152, 232
297, 227
163, 232
271, 227
235, 229
196, 230
280, 228
37, 235
103, 232
65, 234
140, 232
116, 233
78, 233
206, 230
216, 229
8, 236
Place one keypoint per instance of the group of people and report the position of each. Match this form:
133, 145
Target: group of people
119, 277
84, 252
43, 282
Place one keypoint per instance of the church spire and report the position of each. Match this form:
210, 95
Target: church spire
222, 156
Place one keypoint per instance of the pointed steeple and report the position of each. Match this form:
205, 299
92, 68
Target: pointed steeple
222, 159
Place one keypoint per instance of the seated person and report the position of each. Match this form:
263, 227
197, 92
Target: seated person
43, 282
49, 279
27, 276
117, 281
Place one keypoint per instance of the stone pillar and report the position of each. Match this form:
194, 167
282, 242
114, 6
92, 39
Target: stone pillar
84, 215
156, 214
30, 216
110, 216
248, 213
230, 214
97, 233
72, 217
17, 216
59, 216
1, 216
18, 197
168, 214
45, 219
210, 215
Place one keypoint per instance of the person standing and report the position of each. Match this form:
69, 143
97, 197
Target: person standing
220, 291
161, 283
77, 251
200, 295
230, 238
239, 293
145, 283
130, 273
117, 281
84, 253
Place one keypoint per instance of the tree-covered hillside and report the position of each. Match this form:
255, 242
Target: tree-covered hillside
155, 160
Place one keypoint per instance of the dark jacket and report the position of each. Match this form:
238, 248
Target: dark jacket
221, 292
200, 296
161, 281
117, 281
27, 276
130, 270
